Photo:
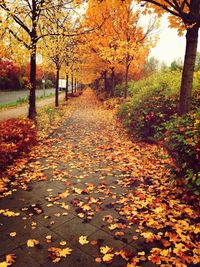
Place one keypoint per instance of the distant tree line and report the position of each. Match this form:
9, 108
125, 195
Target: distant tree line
14, 76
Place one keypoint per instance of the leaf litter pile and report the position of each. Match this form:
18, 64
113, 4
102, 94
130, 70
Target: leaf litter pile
89, 169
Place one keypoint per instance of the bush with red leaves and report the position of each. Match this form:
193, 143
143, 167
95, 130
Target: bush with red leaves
17, 136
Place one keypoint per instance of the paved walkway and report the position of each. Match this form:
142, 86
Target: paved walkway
86, 198
23, 110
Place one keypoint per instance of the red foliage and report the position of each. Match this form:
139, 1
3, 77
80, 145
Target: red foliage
9, 69
17, 136
138, 75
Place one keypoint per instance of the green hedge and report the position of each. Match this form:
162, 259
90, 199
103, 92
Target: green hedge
182, 139
150, 114
152, 102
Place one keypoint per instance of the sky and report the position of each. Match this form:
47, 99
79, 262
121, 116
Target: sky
170, 46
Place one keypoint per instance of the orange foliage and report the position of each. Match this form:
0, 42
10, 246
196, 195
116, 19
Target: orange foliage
16, 137
118, 41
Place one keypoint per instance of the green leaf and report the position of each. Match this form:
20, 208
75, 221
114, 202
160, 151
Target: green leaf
198, 181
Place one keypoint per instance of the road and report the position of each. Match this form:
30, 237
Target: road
11, 96
23, 110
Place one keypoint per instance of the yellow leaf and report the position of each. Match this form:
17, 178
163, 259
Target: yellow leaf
105, 249
9, 213
13, 234
83, 240
141, 253
108, 257
64, 252
56, 260
4, 264
78, 190
113, 226
64, 194
32, 242
63, 243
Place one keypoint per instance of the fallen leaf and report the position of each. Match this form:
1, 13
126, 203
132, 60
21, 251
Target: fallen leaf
108, 257
83, 240
13, 234
64, 252
93, 242
32, 243
99, 260
63, 243
105, 250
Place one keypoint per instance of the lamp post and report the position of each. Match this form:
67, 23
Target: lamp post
43, 83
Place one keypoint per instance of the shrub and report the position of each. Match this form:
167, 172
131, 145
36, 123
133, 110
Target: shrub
17, 136
153, 102
150, 114
51, 113
49, 84
119, 90
182, 140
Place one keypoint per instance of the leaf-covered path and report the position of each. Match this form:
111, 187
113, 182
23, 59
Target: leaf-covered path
88, 196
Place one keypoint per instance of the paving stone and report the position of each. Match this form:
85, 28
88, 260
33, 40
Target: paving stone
41, 188
6, 245
53, 220
105, 239
72, 230
25, 232
24, 260
15, 201
97, 220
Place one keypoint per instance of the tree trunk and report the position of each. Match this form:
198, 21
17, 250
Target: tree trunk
75, 85
105, 82
126, 82
72, 84
113, 82
32, 98
66, 88
57, 87
188, 70
97, 84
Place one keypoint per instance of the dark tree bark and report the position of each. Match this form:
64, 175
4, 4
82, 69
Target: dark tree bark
32, 98
97, 84
33, 49
72, 81
67, 86
126, 82
105, 82
57, 87
75, 85
112, 91
188, 71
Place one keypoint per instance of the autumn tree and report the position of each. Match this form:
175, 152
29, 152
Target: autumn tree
100, 42
133, 41
56, 45
183, 15
121, 41
27, 21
